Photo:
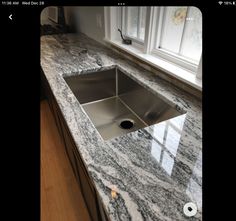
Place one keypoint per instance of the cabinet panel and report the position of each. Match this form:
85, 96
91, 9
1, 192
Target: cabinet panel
89, 193
87, 189
69, 149
46, 91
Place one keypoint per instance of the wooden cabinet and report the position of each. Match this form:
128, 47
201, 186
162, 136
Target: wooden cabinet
88, 191
94, 206
46, 93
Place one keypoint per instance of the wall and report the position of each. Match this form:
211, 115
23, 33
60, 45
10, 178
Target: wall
88, 20
44, 16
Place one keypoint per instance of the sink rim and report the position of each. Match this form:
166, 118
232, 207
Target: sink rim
116, 79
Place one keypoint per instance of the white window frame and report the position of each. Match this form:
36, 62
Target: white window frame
123, 27
178, 66
157, 25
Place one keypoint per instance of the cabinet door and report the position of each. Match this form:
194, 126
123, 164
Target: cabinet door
81, 174
94, 207
69, 147
45, 88
46, 91
42, 90
56, 114
87, 189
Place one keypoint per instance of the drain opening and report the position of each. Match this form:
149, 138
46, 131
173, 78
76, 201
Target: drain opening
190, 209
126, 124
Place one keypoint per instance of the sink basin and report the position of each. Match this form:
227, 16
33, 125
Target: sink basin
116, 104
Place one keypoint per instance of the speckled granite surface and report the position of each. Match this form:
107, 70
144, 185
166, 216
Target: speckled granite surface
155, 170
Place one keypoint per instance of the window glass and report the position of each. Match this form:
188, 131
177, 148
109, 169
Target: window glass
143, 12
132, 22
181, 32
135, 21
192, 38
172, 28
175, 35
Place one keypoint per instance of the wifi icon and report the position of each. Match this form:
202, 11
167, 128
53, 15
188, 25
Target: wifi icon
220, 2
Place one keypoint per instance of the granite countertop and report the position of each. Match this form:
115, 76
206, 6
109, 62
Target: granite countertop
155, 170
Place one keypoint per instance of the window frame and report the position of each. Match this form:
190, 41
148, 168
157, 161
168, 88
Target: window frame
123, 13
147, 48
157, 26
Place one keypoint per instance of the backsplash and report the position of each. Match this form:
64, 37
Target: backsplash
191, 90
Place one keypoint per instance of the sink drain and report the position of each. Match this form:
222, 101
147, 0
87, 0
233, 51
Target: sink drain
126, 124
190, 209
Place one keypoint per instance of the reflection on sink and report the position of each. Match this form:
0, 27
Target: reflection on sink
116, 104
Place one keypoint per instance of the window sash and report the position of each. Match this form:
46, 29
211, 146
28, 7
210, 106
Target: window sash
152, 38
124, 24
156, 50
164, 26
160, 33
176, 59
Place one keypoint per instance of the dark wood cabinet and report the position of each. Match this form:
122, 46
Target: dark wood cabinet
91, 198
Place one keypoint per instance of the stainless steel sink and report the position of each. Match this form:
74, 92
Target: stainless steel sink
116, 104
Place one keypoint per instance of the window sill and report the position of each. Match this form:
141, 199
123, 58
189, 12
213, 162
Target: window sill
169, 68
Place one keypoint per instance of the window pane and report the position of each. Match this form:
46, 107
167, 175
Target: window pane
143, 11
132, 21
192, 38
172, 28
135, 21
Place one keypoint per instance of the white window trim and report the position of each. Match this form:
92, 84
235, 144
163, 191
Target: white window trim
199, 70
191, 76
136, 42
175, 59
165, 54
124, 27
169, 68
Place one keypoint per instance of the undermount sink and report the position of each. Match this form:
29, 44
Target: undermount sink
116, 104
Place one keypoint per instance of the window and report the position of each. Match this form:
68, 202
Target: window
173, 26
169, 38
176, 32
133, 22
178, 35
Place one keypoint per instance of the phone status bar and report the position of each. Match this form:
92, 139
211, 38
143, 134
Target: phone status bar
23, 3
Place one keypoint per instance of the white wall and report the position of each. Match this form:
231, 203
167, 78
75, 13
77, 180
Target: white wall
44, 16
90, 21
67, 12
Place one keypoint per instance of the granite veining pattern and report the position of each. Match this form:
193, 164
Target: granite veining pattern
154, 171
